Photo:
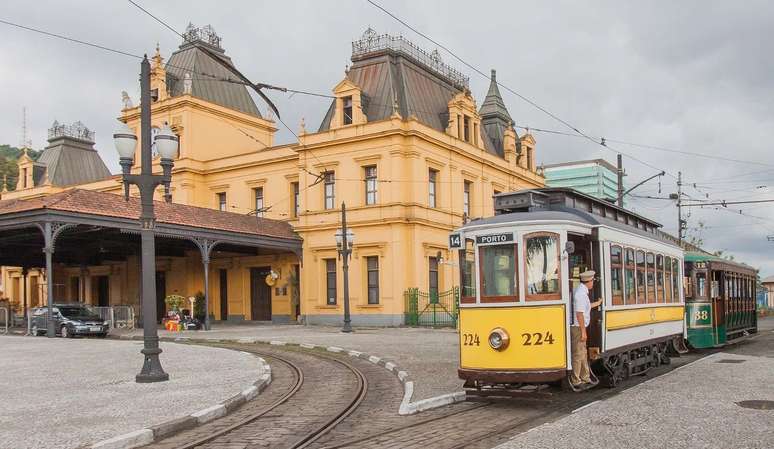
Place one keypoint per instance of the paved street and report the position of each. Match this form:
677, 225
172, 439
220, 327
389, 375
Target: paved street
697, 406
430, 356
61, 393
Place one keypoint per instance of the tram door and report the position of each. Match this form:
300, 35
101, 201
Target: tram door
587, 257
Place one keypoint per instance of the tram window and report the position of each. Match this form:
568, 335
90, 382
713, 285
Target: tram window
676, 280
701, 285
667, 279
542, 266
641, 277
467, 271
616, 274
498, 273
651, 278
631, 294
659, 278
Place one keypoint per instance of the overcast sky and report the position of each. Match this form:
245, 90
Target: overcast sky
692, 75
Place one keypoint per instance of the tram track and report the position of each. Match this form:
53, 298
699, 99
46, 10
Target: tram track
253, 426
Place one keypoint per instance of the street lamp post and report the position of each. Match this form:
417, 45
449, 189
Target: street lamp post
345, 239
146, 182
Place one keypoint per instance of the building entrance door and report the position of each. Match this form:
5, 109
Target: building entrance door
223, 294
103, 291
260, 294
161, 293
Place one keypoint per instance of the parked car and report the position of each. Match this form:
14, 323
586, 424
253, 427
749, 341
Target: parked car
70, 320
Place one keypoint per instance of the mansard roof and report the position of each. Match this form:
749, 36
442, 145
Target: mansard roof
205, 73
70, 158
392, 72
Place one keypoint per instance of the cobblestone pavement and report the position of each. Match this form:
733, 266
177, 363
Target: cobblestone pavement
66, 393
695, 407
475, 424
430, 356
327, 389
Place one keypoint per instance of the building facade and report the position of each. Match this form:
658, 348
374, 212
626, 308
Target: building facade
596, 177
768, 288
403, 144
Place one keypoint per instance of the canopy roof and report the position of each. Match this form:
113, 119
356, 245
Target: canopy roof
104, 226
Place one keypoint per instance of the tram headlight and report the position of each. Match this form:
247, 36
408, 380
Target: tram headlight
498, 339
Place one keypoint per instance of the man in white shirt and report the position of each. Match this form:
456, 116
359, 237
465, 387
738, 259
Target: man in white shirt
581, 317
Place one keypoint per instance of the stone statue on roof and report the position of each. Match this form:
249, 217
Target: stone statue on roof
187, 84
128, 104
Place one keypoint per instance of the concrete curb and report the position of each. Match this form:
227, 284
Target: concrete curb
146, 436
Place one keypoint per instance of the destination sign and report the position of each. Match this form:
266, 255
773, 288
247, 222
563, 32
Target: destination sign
494, 238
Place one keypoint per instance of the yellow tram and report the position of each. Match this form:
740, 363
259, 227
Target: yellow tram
519, 269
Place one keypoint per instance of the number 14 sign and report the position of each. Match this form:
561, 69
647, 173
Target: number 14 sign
455, 241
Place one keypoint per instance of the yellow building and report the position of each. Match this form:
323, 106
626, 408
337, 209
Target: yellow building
403, 144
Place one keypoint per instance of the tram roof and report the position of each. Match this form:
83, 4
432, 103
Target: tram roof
695, 256
565, 204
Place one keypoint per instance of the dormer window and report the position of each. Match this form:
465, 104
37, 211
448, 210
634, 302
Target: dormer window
347, 110
466, 128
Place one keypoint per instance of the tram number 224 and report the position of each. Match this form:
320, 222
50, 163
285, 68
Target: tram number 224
534, 339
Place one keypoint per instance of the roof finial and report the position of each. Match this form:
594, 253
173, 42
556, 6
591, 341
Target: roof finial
302, 128
494, 75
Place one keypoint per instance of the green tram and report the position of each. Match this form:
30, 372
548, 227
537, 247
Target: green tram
719, 300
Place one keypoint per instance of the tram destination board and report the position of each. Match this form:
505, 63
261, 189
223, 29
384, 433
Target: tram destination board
494, 238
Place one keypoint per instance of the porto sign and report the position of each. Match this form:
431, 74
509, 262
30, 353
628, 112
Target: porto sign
494, 238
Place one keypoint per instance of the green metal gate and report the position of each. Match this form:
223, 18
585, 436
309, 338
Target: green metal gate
432, 309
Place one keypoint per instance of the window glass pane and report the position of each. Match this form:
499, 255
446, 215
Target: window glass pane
295, 199
498, 270
330, 192
370, 184
467, 270
631, 295
616, 273
432, 175
466, 198
667, 279
651, 278
542, 265
258, 201
330, 278
372, 265
676, 280
701, 285
347, 110
659, 278
640, 277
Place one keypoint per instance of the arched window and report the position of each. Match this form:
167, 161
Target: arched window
541, 255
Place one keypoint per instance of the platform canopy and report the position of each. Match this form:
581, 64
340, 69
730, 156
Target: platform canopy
83, 227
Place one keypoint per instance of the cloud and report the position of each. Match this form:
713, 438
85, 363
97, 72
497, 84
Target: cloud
690, 75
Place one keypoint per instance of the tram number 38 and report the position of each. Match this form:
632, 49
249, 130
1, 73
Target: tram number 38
534, 339
700, 315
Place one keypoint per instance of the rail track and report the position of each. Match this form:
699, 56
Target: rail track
249, 424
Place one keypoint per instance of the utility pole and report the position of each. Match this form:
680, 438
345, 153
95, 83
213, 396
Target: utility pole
620, 181
679, 206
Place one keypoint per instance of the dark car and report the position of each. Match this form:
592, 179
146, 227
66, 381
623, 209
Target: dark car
70, 320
